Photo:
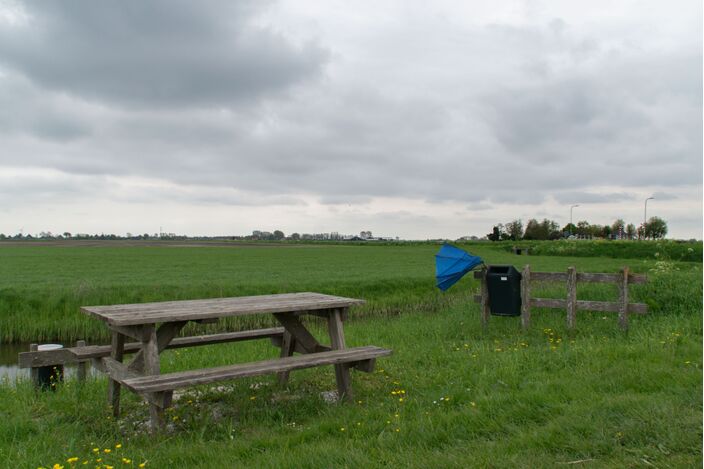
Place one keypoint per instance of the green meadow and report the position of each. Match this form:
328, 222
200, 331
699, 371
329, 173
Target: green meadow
451, 395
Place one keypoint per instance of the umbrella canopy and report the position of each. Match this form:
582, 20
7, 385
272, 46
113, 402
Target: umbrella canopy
451, 264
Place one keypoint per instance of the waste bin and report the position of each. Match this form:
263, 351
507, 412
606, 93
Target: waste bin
504, 285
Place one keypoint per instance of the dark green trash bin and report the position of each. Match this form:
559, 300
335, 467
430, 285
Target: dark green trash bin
504, 285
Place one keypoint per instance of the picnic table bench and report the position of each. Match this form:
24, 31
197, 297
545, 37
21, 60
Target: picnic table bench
143, 376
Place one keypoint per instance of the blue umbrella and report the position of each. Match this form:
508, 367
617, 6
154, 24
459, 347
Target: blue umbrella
451, 264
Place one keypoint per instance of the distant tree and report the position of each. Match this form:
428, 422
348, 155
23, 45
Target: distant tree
546, 229
583, 228
295, 236
606, 232
532, 230
570, 229
278, 235
514, 229
630, 231
551, 229
656, 228
145, 236
618, 229
495, 234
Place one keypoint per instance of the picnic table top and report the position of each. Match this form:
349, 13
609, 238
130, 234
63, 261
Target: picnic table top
189, 310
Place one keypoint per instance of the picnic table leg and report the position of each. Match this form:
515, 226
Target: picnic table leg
288, 345
117, 352
150, 352
337, 339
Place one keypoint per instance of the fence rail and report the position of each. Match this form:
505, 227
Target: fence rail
622, 279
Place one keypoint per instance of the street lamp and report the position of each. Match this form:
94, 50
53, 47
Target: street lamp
576, 205
645, 211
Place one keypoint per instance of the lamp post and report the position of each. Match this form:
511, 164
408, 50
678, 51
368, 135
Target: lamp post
645, 214
645, 211
571, 225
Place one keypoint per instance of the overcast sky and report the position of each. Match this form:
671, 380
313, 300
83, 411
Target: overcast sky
411, 119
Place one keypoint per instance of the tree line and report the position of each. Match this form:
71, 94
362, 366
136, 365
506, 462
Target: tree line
654, 228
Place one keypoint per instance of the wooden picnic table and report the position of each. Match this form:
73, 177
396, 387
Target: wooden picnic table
155, 325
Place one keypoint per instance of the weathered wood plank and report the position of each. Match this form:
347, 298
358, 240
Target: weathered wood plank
81, 370
303, 337
525, 297
571, 297
610, 278
587, 277
130, 331
484, 302
337, 341
34, 372
151, 367
172, 381
116, 353
288, 346
164, 335
548, 303
133, 314
623, 300
549, 277
75, 354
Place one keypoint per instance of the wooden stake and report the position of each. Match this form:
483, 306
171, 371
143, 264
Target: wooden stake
34, 371
485, 300
525, 298
82, 369
571, 297
117, 352
337, 339
288, 345
623, 300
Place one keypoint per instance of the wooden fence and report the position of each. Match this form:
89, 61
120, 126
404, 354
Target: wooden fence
623, 279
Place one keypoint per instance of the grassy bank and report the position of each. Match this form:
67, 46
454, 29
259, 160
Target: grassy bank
450, 396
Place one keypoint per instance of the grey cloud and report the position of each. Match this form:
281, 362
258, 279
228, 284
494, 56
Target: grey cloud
592, 198
206, 97
159, 53
664, 196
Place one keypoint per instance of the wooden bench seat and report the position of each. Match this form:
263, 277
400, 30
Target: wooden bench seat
77, 354
360, 357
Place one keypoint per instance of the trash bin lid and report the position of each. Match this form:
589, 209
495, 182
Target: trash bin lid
47, 347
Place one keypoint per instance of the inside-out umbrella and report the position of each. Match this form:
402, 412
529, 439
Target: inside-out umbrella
451, 263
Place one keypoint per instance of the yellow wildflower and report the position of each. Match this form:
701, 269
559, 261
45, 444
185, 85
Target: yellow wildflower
107, 450
118, 446
72, 460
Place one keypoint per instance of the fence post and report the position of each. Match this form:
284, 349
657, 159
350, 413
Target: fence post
81, 370
571, 297
623, 300
34, 371
485, 300
525, 296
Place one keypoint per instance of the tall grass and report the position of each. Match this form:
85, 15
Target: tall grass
42, 288
689, 251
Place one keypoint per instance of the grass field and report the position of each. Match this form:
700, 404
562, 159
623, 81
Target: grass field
450, 396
